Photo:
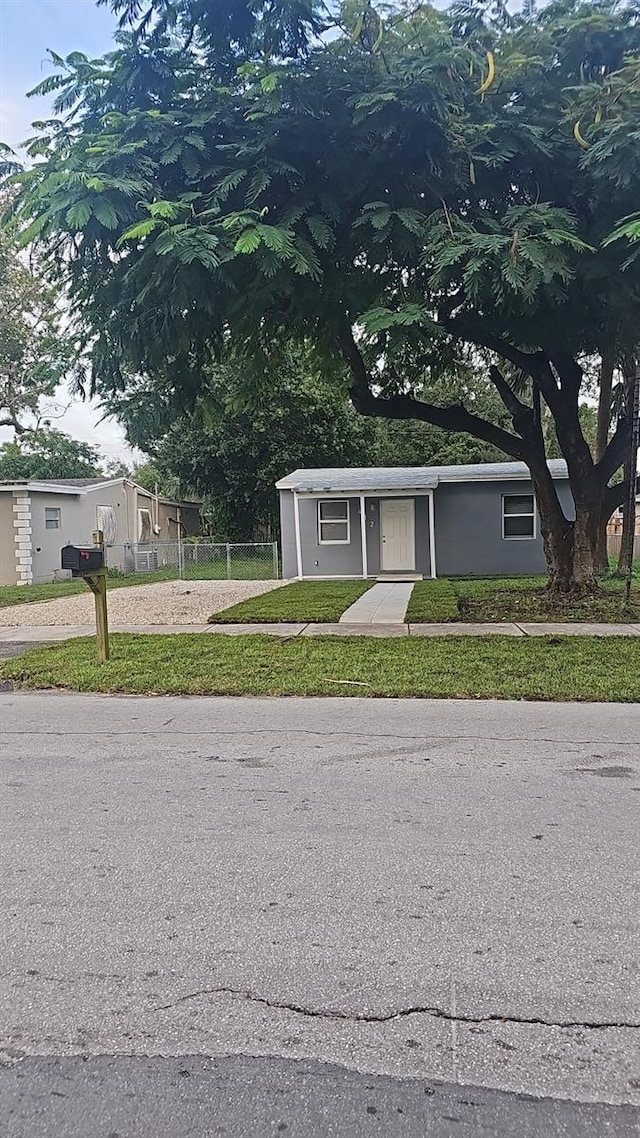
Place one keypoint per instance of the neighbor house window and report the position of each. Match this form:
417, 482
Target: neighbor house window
333, 521
518, 516
51, 517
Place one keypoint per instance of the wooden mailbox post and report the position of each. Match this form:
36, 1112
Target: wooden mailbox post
88, 562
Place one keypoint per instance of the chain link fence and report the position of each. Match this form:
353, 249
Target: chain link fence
196, 560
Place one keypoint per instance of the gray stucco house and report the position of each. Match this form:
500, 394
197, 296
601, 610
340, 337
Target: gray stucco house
423, 521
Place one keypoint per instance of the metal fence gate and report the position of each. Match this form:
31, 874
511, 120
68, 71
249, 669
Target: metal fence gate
196, 560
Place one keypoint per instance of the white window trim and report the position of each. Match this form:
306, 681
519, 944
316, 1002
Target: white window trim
326, 521
58, 517
527, 514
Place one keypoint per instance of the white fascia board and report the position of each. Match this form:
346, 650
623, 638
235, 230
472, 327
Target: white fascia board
404, 493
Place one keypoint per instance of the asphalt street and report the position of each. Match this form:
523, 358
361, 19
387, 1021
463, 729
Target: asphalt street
336, 916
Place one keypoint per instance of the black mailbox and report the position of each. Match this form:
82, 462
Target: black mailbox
82, 559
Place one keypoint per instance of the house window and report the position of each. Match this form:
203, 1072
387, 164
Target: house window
518, 516
333, 521
51, 517
144, 526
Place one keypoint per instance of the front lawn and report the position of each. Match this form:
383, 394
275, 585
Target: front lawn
516, 599
432, 602
303, 602
26, 594
546, 668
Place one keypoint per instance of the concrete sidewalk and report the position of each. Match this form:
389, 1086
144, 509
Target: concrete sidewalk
49, 633
384, 603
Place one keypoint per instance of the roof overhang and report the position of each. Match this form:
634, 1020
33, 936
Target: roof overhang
366, 491
43, 488
389, 481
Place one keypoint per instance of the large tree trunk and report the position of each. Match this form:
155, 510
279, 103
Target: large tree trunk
585, 545
570, 547
556, 530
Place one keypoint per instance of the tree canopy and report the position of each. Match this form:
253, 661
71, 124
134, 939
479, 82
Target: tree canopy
48, 454
36, 353
403, 187
233, 446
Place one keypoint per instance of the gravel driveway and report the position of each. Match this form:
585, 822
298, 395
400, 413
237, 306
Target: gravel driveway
169, 602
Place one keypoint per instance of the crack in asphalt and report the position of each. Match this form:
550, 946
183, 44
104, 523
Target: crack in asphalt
235, 733
400, 1013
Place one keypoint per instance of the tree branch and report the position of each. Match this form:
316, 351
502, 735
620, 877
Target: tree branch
616, 495
455, 418
534, 364
465, 329
607, 368
615, 453
569, 371
522, 416
11, 421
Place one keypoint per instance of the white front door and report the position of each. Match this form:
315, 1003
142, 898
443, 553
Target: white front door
397, 534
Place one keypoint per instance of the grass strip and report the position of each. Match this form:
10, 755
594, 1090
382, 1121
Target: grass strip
545, 668
433, 602
520, 599
313, 602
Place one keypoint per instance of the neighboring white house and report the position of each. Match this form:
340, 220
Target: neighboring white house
38, 517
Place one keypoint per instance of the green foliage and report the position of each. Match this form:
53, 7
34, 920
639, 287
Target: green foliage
405, 442
252, 428
314, 602
432, 602
488, 667
250, 190
47, 453
414, 183
517, 599
37, 352
249, 430
151, 476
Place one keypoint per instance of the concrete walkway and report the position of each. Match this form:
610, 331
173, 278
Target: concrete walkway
49, 633
384, 603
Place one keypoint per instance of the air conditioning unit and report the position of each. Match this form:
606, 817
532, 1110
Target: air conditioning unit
146, 560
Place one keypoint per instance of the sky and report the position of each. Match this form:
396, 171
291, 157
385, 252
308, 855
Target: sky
27, 29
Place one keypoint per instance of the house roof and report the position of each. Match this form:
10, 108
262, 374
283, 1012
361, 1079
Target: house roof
81, 482
361, 479
79, 486
74, 486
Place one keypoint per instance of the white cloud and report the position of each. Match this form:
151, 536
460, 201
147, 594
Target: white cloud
83, 420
